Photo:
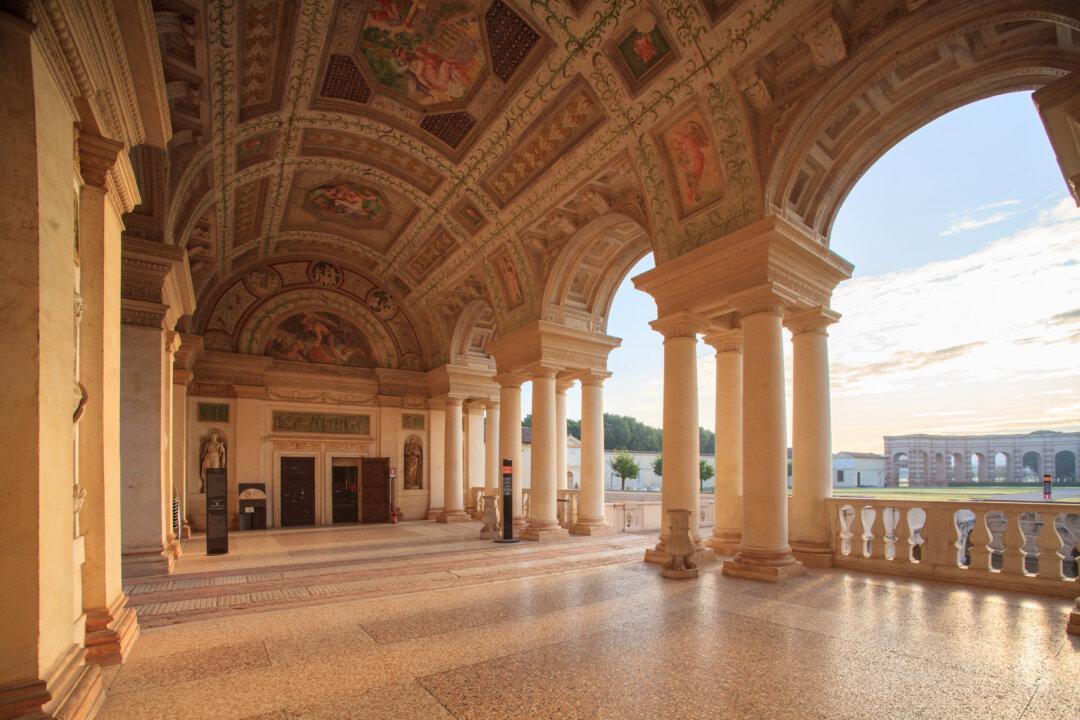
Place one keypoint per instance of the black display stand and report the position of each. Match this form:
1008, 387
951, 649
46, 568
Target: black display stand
217, 512
507, 503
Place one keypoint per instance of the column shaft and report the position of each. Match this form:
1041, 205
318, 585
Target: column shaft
680, 486
542, 523
436, 459
591, 519
510, 434
811, 482
560, 433
727, 527
453, 507
477, 459
492, 481
764, 553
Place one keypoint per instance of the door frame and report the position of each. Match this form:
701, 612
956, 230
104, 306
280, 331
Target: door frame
331, 456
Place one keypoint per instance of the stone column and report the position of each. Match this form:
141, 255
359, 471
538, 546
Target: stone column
680, 487
561, 386
492, 479
811, 454
542, 524
591, 519
453, 506
111, 626
764, 553
181, 379
510, 433
436, 458
477, 460
727, 527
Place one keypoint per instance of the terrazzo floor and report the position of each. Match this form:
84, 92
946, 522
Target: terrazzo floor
424, 621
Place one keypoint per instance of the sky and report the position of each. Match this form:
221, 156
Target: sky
963, 314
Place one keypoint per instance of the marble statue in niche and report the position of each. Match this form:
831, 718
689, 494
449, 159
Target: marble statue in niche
414, 464
213, 455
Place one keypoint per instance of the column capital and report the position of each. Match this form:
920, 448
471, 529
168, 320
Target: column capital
564, 384
510, 380
678, 324
474, 407
725, 341
142, 313
96, 156
758, 301
810, 321
594, 378
541, 372
172, 341
182, 377
491, 403
452, 400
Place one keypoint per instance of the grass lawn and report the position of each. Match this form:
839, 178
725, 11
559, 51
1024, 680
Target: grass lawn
942, 493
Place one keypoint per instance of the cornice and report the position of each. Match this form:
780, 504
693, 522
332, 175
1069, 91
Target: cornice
142, 313
542, 344
462, 381
97, 156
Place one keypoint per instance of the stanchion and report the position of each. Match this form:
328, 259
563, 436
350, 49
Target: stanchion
507, 503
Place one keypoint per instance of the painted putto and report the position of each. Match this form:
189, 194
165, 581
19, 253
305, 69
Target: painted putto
695, 169
348, 202
322, 338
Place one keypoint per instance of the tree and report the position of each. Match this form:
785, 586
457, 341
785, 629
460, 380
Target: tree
658, 466
705, 471
624, 465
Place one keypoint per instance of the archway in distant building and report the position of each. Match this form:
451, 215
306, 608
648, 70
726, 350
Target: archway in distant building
1065, 467
1032, 467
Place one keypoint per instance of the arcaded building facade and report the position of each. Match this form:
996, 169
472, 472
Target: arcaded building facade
322, 244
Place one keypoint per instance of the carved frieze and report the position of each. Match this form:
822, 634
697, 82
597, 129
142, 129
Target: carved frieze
321, 423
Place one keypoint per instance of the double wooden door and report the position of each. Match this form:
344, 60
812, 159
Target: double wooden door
297, 491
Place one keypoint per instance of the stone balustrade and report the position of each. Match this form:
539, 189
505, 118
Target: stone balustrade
1004, 545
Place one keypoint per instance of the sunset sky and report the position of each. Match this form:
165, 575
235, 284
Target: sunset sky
964, 312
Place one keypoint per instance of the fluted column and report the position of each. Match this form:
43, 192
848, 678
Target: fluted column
764, 553
510, 433
681, 487
542, 524
811, 483
727, 526
492, 480
590, 517
453, 505
561, 386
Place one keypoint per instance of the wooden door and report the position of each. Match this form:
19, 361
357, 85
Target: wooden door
343, 488
375, 490
297, 491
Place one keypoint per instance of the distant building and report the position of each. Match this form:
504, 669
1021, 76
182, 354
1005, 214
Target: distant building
858, 469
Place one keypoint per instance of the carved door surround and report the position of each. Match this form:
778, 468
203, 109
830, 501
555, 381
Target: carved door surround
323, 450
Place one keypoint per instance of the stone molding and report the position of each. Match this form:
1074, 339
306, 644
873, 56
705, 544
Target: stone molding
156, 273
825, 41
97, 156
475, 407
774, 253
70, 689
510, 380
462, 381
594, 378
542, 344
143, 314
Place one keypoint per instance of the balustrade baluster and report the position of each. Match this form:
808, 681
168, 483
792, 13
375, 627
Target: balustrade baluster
878, 542
844, 530
1049, 543
864, 533
902, 550
1013, 543
980, 542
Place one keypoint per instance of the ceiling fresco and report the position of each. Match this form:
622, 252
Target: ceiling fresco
456, 153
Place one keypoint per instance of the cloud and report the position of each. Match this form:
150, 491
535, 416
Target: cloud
1066, 318
844, 374
988, 214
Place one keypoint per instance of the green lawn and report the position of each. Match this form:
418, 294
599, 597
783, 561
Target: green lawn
940, 493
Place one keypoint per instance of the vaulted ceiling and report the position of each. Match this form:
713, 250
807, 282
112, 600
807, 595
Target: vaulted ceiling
504, 160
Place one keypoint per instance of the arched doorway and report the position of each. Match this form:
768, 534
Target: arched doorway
1065, 467
1032, 471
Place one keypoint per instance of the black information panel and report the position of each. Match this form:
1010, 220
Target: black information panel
507, 502
217, 513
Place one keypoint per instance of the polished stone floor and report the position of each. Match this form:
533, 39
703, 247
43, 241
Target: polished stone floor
423, 621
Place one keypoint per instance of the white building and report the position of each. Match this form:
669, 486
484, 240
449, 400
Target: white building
858, 469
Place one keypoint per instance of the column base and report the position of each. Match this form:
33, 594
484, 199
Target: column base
1073, 628
657, 555
520, 522
490, 534
723, 542
140, 562
812, 554
763, 565
72, 690
544, 532
588, 527
433, 513
453, 516
110, 632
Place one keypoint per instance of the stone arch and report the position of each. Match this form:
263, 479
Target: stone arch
474, 328
977, 465
588, 270
939, 469
1002, 467
958, 472
901, 468
930, 62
